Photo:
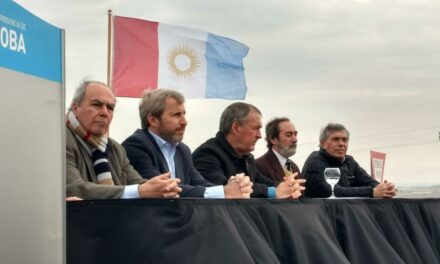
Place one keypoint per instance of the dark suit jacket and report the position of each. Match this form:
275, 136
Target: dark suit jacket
147, 158
270, 166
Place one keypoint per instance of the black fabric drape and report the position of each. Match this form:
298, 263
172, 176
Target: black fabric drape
254, 231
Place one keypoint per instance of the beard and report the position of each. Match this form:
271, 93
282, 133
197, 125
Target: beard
171, 137
288, 151
174, 136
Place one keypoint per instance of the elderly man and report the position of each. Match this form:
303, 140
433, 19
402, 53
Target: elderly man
354, 181
229, 153
158, 148
97, 167
281, 137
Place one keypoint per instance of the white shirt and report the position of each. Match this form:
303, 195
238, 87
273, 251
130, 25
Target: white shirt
281, 159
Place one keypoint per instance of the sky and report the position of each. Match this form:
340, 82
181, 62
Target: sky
371, 65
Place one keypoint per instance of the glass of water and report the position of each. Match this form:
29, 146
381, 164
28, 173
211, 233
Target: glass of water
332, 176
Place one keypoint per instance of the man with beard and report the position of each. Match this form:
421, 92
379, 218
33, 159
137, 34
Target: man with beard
158, 148
229, 153
281, 137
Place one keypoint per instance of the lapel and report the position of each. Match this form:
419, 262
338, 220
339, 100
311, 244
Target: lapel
178, 163
87, 166
113, 159
88, 162
276, 166
162, 162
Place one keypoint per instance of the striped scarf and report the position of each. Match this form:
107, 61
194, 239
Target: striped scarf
99, 146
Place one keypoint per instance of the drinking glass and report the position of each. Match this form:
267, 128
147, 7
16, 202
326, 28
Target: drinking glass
332, 176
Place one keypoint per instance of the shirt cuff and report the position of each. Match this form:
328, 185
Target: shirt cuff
130, 192
215, 192
271, 192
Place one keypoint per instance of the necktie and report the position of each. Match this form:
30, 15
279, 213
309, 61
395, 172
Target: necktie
288, 165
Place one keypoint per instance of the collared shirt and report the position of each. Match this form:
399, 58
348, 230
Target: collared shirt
169, 150
281, 159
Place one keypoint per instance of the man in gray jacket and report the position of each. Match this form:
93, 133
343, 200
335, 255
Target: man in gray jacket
97, 166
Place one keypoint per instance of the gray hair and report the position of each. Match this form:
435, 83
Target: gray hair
80, 92
236, 112
329, 128
273, 129
153, 103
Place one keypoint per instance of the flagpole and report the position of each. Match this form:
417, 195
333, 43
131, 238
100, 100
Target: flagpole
110, 48
109, 52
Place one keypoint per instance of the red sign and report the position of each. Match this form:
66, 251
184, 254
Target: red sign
377, 160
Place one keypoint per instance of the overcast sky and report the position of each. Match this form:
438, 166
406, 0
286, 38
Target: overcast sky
371, 65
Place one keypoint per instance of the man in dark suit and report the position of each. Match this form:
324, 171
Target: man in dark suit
158, 148
281, 137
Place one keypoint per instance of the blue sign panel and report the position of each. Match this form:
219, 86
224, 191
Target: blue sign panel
29, 44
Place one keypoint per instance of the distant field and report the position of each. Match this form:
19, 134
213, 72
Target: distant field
418, 195
419, 192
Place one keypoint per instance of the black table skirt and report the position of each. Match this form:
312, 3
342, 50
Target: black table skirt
254, 231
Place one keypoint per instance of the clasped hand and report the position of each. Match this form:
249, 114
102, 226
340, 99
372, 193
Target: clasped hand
238, 186
160, 186
384, 190
290, 187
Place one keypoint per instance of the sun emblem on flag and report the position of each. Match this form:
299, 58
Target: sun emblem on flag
183, 62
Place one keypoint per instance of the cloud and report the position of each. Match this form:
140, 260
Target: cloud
372, 65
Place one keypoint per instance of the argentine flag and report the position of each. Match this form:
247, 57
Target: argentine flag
151, 55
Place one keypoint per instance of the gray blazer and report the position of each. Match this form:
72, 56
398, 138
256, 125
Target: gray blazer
81, 178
